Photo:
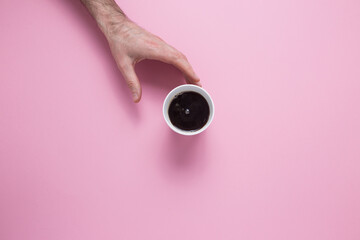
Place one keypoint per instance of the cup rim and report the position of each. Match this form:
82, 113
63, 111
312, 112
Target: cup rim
188, 88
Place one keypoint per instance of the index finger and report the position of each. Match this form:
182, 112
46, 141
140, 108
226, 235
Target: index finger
177, 59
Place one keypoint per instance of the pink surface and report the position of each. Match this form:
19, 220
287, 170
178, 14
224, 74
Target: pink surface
281, 160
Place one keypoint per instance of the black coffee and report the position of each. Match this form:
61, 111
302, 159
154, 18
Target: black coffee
189, 111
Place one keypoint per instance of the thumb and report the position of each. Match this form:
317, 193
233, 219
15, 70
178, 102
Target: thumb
132, 81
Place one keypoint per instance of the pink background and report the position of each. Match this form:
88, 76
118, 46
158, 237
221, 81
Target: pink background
281, 160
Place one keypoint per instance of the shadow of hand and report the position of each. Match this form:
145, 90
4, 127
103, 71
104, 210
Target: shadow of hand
158, 79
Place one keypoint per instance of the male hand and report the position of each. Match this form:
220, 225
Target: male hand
129, 44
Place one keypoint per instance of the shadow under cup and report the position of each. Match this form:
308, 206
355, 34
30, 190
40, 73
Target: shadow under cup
188, 109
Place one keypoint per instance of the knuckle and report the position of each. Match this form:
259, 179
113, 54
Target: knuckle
131, 84
123, 65
182, 56
123, 62
176, 56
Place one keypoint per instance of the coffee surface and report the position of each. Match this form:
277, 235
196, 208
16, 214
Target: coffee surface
189, 111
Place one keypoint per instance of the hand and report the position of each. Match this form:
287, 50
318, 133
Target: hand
129, 44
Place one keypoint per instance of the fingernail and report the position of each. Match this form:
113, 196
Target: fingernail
135, 96
198, 83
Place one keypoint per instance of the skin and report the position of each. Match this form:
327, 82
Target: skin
130, 44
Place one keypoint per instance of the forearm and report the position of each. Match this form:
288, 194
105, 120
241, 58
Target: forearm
106, 13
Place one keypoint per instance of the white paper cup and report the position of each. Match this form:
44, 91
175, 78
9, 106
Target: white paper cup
187, 88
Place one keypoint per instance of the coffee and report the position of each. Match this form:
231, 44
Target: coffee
189, 111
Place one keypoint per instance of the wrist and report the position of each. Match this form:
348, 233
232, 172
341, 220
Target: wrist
112, 24
107, 14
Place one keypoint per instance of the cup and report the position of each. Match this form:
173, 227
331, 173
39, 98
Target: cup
179, 91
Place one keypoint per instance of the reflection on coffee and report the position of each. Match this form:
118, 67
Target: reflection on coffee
189, 111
